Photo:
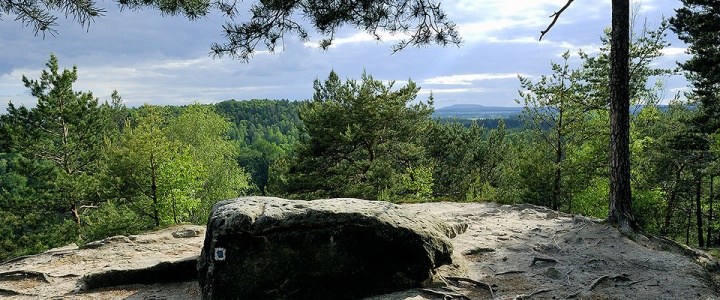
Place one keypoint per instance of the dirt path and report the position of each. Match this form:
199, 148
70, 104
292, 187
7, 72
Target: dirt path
518, 252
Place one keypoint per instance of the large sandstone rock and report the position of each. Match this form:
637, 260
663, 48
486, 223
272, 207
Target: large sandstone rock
272, 248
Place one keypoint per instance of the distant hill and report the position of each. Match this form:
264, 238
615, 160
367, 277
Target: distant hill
476, 111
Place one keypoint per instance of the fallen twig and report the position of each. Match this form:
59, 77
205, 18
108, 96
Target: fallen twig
639, 281
540, 292
476, 283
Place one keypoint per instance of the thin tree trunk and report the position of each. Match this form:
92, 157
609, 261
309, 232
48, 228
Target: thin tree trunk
153, 188
75, 213
620, 194
698, 209
687, 228
556, 187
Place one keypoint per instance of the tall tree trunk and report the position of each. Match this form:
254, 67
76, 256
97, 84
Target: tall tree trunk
708, 241
558, 159
556, 187
672, 202
698, 209
620, 195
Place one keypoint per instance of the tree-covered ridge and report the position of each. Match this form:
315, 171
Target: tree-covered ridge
265, 131
74, 169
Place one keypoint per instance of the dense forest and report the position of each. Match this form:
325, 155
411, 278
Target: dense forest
74, 169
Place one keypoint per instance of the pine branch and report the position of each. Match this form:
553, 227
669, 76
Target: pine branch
555, 17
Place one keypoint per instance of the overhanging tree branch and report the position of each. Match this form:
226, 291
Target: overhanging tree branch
555, 17
422, 22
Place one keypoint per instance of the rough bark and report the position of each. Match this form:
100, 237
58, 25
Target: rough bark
620, 195
698, 210
710, 214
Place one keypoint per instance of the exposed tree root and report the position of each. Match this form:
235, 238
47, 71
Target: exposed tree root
542, 259
509, 272
479, 284
524, 297
639, 281
446, 295
479, 250
595, 283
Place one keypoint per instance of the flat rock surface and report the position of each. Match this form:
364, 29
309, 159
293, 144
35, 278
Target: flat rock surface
518, 252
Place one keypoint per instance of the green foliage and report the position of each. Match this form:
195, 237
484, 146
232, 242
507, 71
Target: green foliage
592, 200
173, 170
359, 139
51, 173
266, 131
204, 133
696, 24
555, 111
423, 21
139, 162
470, 163
32, 232
113, 218
646, 46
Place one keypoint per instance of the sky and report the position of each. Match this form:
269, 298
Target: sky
163, 60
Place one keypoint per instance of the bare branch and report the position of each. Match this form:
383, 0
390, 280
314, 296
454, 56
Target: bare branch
555, 17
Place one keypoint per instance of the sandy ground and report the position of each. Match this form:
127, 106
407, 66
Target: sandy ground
507, 252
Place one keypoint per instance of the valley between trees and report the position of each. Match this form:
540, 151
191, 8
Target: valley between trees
74, 169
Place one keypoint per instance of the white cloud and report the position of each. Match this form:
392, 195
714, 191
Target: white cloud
466, 79
674, 51
502, 15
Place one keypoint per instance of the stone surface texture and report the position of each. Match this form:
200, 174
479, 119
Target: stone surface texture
272, 248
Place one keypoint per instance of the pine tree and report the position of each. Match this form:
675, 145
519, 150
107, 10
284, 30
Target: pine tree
65, 128
697, 24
